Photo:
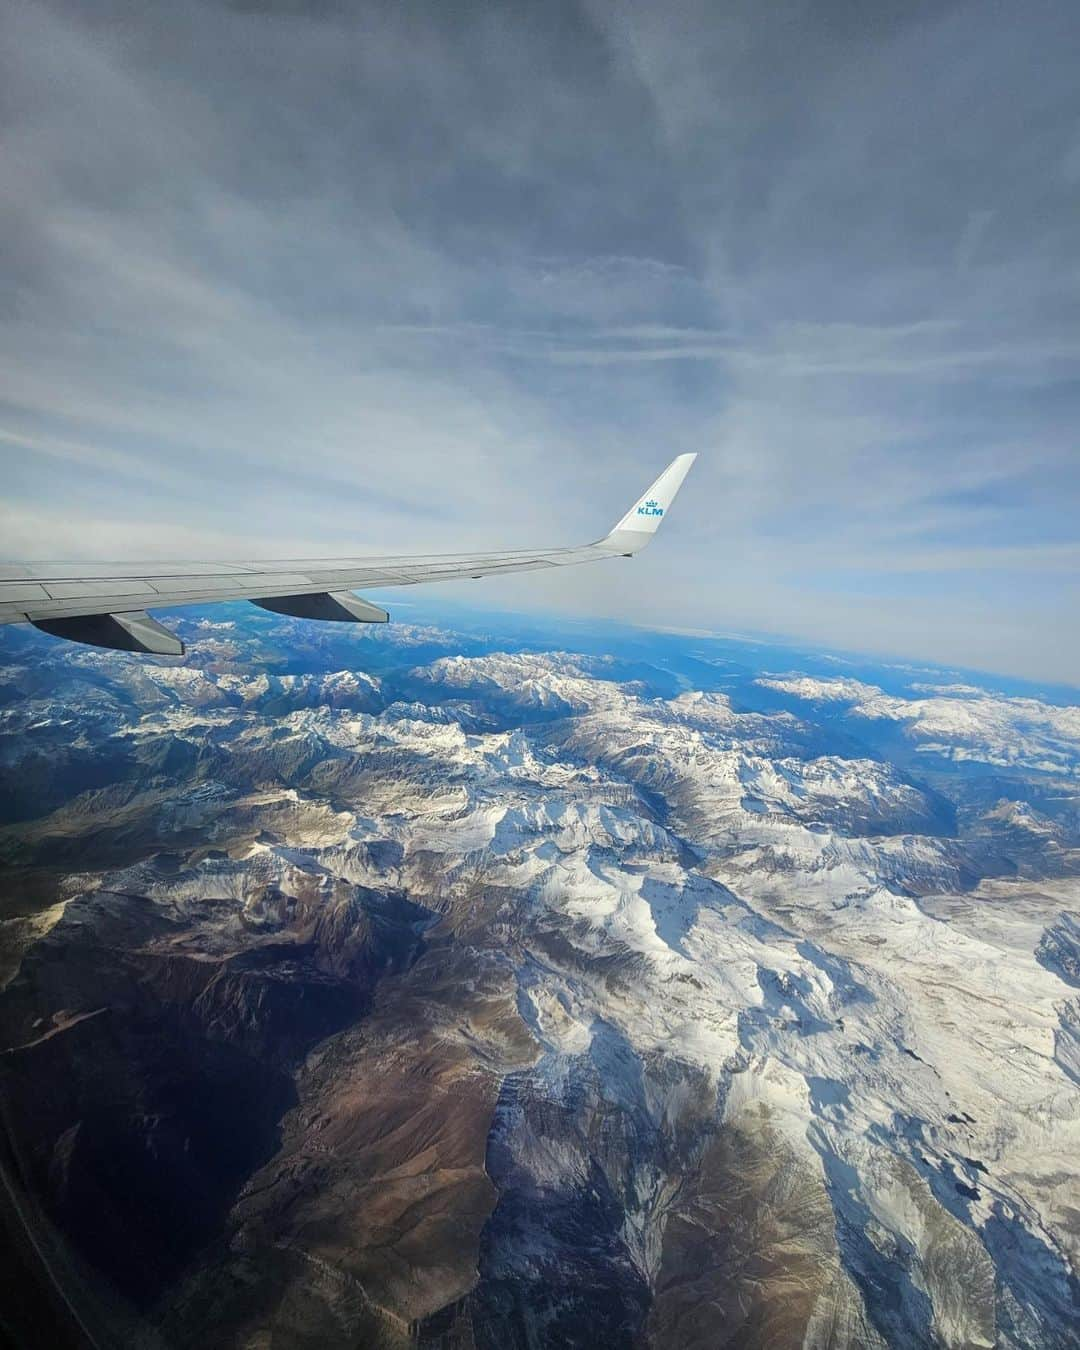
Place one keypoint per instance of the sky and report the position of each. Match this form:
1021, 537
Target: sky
297, 279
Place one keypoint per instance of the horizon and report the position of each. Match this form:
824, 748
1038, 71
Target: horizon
466, 616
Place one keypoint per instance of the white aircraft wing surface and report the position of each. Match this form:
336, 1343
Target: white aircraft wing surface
106, 603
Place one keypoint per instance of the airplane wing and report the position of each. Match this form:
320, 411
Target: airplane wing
106, 604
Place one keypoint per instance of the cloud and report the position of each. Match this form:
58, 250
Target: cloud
389, 278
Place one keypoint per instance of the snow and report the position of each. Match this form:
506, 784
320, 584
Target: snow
960, 722
792, 926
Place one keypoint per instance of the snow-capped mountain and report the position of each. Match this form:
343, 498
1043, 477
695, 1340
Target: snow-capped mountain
636, 995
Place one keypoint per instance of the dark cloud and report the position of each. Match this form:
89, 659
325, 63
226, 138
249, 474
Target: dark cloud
299, 277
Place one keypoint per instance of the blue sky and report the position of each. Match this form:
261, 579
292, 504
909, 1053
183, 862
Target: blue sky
308, 278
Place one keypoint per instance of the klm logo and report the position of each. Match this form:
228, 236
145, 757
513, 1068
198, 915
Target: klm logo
650, 509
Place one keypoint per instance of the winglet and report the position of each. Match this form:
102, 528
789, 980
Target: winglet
643, 519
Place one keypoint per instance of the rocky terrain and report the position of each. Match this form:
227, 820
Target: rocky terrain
523, 989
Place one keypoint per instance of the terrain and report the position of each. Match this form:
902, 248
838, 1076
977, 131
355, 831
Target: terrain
476, 983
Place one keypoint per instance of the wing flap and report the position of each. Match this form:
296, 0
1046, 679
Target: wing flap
110, 589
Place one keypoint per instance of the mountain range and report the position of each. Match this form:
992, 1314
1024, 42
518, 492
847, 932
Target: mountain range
481, 982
